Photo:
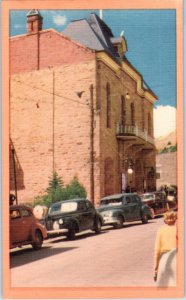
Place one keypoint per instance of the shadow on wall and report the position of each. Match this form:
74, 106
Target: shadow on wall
16, 171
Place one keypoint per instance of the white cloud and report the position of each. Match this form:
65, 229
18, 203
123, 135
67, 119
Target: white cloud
59, 20
17, 26
164, 120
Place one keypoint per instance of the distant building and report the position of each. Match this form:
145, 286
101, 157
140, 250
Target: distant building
79, 107
166, 168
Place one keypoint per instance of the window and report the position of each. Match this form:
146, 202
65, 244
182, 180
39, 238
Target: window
143, 115
149, 124
108, 112
15, 214
123, 110
134, 200
128, 200
81, 206
25, 213
132, 114
89, 205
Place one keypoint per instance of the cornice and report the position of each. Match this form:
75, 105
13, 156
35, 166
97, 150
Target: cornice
130, 70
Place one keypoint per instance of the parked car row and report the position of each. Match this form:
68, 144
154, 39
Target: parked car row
159, 202
70, 217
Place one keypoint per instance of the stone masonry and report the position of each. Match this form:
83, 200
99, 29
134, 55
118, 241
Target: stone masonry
65, 109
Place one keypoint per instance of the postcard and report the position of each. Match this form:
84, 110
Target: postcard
92, 147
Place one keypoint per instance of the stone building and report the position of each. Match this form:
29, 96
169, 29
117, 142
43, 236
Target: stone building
79, 107
166, 168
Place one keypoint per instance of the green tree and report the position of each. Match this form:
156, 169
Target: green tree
55, 182
56, 191
75, 189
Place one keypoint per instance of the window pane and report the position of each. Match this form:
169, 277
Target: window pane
26, 213
14, 214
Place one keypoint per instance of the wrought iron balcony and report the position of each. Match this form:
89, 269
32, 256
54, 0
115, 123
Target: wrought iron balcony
133, 131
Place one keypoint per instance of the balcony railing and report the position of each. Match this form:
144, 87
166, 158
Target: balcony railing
130, 130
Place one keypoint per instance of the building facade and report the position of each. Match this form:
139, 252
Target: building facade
78, 107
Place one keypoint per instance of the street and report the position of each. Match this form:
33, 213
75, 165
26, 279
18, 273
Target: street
116, 257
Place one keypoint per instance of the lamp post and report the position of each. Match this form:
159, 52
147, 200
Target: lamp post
129, 168
92, 143
130, 172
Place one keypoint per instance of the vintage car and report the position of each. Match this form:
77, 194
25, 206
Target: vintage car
69, 217
25, 229
157, 201
119, 208
172, 198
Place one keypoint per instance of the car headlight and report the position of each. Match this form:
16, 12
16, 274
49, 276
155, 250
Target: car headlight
60, 221
55, 225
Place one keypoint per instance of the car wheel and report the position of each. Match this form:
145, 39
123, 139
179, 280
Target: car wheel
144, 219
97, 226
38, 240
119, 223
72, 232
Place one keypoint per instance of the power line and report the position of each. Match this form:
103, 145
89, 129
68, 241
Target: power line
57, 94
48, 92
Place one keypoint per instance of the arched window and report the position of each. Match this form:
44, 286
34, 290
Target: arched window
149, 124
123, 111
143, 115
132, 114
108, 109
109, 176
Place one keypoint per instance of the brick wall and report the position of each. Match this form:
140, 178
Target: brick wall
47, 48
33, 123
112, 150
51, 125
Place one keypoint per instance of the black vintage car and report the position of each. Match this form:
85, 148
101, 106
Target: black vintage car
119, 208
72, 216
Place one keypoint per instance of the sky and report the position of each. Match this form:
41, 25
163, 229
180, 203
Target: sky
151, 42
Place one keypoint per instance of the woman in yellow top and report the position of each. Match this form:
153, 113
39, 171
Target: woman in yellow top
165, 251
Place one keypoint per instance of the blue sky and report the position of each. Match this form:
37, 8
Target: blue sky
150, 35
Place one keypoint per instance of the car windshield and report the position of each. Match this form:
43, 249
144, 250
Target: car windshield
111, 201
63, 207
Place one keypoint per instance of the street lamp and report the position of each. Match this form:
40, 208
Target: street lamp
127, 96
130, 170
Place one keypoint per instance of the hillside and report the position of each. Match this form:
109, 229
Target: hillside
167, 141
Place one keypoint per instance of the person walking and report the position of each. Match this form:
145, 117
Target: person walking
165, 251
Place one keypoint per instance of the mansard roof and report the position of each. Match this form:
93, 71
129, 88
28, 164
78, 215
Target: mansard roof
34, 12
93, 33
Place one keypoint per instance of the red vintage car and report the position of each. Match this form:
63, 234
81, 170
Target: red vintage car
25, 228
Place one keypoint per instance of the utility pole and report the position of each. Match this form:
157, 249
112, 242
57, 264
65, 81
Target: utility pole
53, 118
92, 144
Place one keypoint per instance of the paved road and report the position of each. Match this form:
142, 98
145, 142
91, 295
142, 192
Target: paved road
116, 257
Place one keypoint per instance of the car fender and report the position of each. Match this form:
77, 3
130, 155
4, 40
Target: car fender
145, 210
42, 229
118, 213
98, 217
75, 222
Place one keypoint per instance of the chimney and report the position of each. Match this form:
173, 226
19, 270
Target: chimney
34, 21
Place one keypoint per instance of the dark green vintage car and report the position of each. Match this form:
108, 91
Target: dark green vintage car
119, 208
72, 216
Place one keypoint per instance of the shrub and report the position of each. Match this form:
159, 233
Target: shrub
56, 191
75, 189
